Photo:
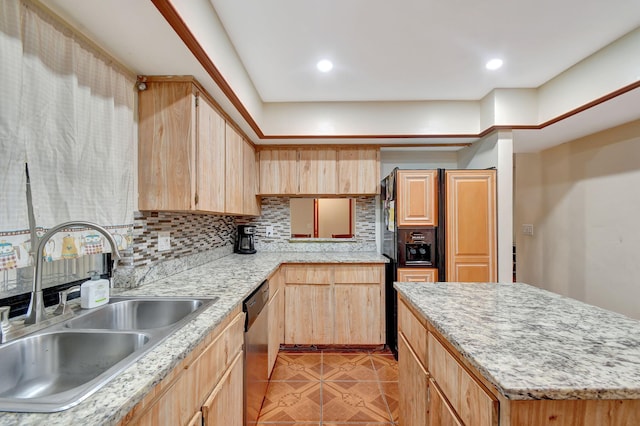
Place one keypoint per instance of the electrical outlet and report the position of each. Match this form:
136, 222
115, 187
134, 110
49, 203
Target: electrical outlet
164, 241
527, 229
269, 231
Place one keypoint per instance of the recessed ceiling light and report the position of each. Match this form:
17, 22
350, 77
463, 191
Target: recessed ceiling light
325, 65
494, 64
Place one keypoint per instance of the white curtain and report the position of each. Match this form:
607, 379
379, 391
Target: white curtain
69, 112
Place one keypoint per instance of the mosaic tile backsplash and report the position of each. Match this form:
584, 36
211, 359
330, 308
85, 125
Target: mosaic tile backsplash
275, 212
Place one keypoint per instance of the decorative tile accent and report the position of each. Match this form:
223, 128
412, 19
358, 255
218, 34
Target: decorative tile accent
291, 402
353, 402
295, 366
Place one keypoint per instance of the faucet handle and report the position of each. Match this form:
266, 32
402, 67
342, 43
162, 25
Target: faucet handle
5, 324
63, 306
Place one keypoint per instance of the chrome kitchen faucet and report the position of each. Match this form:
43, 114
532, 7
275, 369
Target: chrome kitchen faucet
36, 313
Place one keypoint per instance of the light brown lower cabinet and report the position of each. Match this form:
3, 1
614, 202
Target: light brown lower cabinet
276, 326
424, 275
440, 412
337, 304
214, 366
225, 404
196, 420
412, 377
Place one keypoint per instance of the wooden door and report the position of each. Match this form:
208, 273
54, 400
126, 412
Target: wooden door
167, 147
440, 412
317, 171
358, 171
417, 275
225, 405
413, 382
417, 200
251, 202
278, 171
234, 192
211, 158
358, 295
471, 225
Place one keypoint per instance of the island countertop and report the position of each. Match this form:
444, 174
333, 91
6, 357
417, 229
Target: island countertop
534, 344
232, 278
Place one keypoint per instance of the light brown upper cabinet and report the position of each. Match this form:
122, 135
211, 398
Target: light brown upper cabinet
471, 225
251, 202
189, 157
358, 171
417, 198
319, 171
278, 171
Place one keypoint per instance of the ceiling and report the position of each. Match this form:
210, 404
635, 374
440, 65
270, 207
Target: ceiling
415, 49
383, 52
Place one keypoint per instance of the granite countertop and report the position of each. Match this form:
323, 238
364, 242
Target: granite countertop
534, 344
232, 278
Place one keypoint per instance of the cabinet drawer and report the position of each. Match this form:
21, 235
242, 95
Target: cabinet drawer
306, 274
468, 398
358, 274
414, 330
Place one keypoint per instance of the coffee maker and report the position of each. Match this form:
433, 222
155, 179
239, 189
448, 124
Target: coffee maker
245, 240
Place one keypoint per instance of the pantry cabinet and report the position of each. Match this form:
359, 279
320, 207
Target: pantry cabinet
334, 304
319, 171
207, 383
189, 157
471, 244
417, 198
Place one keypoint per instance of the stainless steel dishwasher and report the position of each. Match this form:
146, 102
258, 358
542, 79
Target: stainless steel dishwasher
256, 370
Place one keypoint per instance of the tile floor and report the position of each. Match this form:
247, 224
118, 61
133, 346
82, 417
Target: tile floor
332, 388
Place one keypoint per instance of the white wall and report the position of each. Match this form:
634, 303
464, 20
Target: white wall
414, 158
583, 199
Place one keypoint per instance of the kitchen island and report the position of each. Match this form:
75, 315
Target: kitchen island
232, 278
528, 355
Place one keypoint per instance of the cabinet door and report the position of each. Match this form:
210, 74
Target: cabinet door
471, 225
417, 275
234, 192
225, 405
318, 171
167, 147
251, 202
211, 158
308, 314
358, 171
413, 382
275, 304
278, 171
440, 412
358, 295
417, 198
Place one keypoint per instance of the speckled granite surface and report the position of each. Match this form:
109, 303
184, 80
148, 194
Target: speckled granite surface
533, 344
231, 278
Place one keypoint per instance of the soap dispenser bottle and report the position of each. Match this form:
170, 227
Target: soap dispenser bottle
94, 292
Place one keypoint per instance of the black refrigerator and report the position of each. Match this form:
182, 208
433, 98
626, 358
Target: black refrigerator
407, 247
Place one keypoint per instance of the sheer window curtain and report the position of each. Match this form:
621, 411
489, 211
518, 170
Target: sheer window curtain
68, 112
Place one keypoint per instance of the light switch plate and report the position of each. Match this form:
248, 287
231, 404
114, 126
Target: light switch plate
527, 229
269, 231
164, 241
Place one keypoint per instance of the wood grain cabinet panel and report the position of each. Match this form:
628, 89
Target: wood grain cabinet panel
317, 171
470, 401
427, 275
440, 412
210, 155
234, 191
278, 171
358, 314
309, 314
414, 330
308, 274
471, 225
358, 171
417, 198
413, 381
225, 404
251, 201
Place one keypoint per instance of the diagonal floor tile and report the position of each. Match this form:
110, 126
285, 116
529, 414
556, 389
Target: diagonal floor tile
297, 366
390, 391
291, 402
353, 402
347, 367
386, 367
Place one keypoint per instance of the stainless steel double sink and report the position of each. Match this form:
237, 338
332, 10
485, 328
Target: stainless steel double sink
57, 367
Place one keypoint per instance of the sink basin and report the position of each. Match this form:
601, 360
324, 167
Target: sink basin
55, 368
51, 367
137, 314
